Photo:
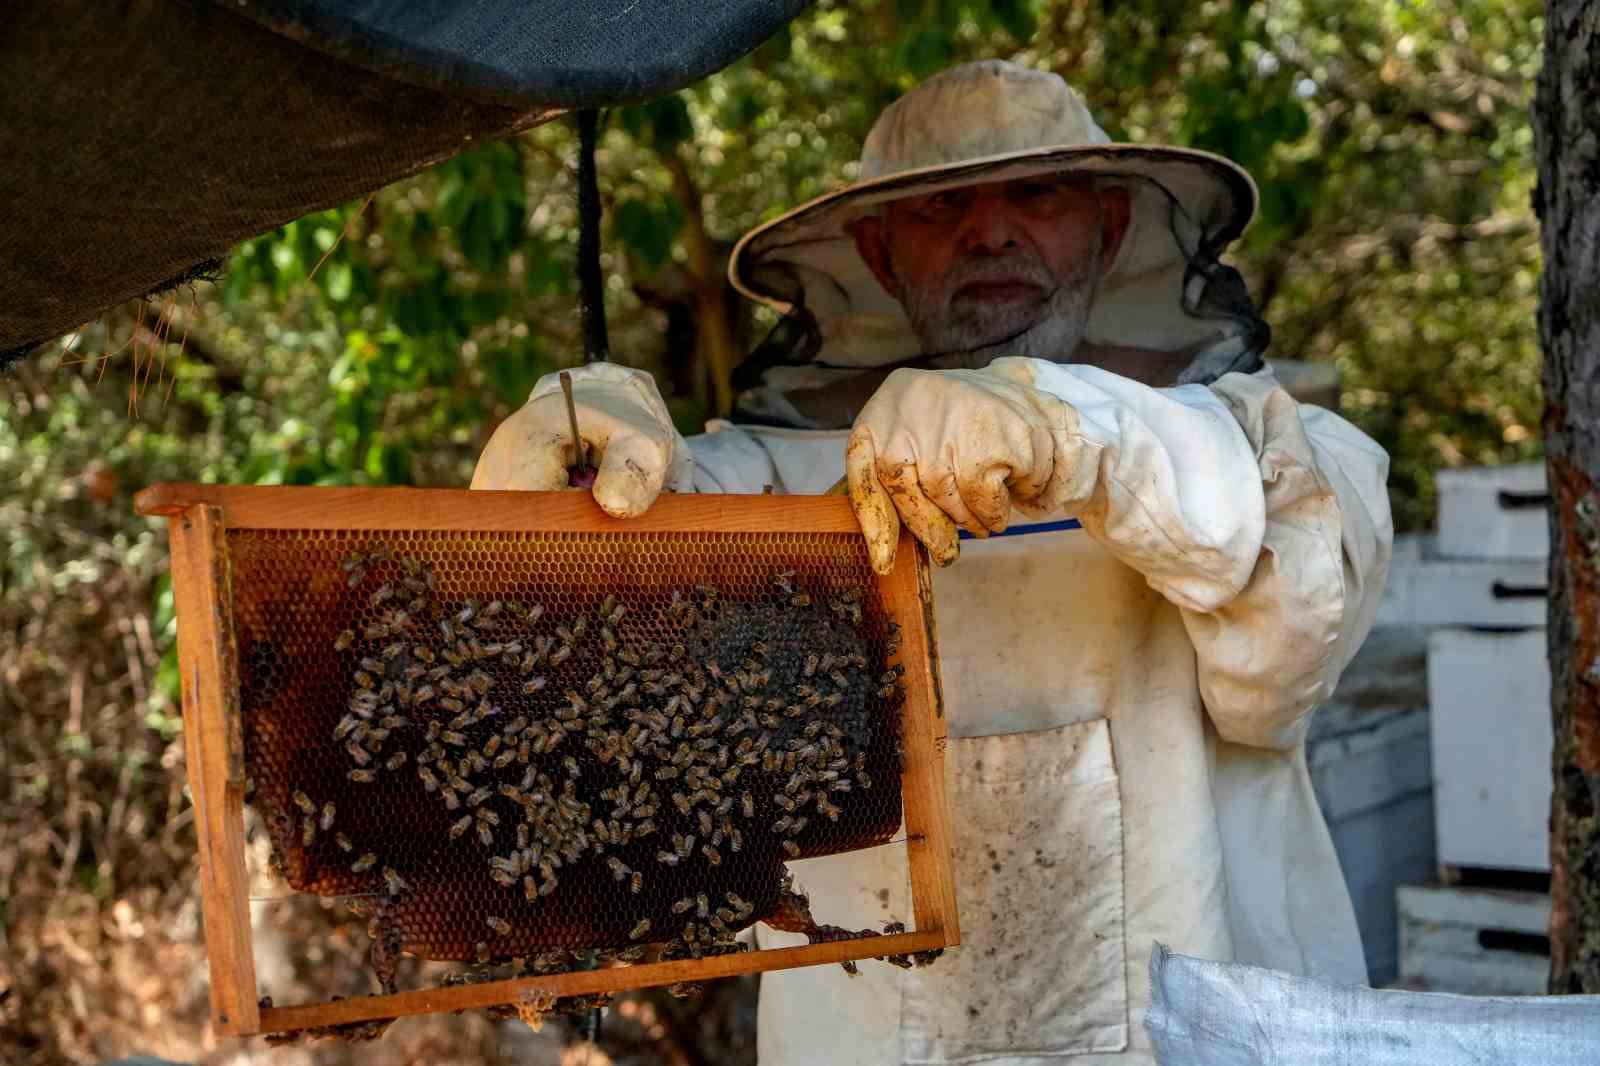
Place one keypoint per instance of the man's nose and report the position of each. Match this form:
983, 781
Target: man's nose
988, 226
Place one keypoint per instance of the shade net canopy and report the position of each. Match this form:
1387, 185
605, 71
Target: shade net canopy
140, 141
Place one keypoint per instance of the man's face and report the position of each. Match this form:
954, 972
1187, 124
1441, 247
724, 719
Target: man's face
999, 268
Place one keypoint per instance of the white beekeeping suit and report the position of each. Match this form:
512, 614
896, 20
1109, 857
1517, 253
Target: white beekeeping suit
1128, 666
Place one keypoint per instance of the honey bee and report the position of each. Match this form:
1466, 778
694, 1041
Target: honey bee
705, 822
480, 951
639, 930
484, 814
682, 905
364, 777
504, 759
461, 826
560, 655
791, 849
619, 869
485, 835
303, 801
607, 604
668, 857
735, 839
343, 842
393, 881
365, 863
363, 680
343, 641
571, 766
308, 831
636, 883
395, 761
499, 925
713, 856
455, 739
328, 812
736, 903
702, 906
429, 782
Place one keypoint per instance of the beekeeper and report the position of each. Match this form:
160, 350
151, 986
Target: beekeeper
1010, 326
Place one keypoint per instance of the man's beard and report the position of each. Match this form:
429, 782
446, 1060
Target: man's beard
972, 333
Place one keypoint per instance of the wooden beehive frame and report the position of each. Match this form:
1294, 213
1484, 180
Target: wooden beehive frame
199, 518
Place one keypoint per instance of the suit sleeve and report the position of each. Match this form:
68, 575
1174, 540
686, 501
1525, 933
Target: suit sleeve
1264, 522
1276, 650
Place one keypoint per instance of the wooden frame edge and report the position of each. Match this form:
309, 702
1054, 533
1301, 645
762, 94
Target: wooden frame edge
586, 982
214, 758
923, 798
481, 511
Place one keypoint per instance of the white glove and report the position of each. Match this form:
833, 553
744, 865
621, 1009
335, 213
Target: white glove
939, 449
621, 418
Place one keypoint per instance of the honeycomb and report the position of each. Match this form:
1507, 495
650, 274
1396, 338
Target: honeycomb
505, 744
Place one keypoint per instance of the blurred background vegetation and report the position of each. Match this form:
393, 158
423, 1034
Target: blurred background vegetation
381, 342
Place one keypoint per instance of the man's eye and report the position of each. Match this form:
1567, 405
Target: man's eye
942, 203
1036, 190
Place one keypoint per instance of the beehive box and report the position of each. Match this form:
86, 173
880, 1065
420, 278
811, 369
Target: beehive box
506, 725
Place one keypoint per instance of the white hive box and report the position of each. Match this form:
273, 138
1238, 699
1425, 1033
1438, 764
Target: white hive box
1474, 941
1494, 512
1489, 699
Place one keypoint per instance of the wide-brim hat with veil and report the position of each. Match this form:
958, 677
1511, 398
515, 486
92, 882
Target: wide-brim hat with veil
996, 121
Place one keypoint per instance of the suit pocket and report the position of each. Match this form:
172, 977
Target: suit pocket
1037, 846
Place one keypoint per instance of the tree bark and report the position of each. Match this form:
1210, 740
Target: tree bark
1567, 143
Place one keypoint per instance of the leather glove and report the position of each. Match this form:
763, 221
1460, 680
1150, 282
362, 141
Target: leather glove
621, 418
938, 449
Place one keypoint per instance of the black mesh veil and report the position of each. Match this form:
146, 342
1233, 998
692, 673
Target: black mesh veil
142, 141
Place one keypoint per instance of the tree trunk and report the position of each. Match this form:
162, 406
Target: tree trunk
1567, 140
717, 343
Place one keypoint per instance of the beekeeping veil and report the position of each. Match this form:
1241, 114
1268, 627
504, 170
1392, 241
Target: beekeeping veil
142, 141
996, 121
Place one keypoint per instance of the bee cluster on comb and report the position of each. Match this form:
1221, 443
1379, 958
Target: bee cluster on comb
560, 769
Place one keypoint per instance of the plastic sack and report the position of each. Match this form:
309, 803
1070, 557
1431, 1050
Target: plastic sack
1231, 1014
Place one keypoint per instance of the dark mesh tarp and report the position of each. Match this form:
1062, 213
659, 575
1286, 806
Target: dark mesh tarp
140, 140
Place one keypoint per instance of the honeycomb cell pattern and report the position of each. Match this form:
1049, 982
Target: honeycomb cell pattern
503, 744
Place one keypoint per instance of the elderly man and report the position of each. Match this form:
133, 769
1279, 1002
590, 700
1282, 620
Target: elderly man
1016, 319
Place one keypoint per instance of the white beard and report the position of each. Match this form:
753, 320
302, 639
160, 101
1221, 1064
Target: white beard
977, 337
